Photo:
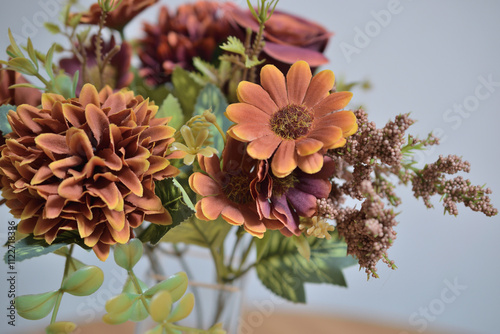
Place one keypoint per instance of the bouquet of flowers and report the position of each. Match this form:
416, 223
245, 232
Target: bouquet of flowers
225, 136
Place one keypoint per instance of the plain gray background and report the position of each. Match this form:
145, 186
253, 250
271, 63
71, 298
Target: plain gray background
428, 58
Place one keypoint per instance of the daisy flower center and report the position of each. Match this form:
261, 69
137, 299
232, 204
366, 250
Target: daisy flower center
282, 184
292, 122
237, 190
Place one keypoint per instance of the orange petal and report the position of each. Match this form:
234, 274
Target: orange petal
131, 181
116, 219
44, 225
42, 174
232, 215
199, 212
262, 148
298, 79
246, 113
158, 132
284, 160
308, 146
54, 206
310, 164
163, 218
89, 95
94, 238
319, 88
31, 208
122, 236
341, 142
248, 132
108, 192
327, 134
74, 114
203, 185
27, 225
97, 121
333, 102
344, 119
211, 207
27, 113
79, 143
60, 167
116, 102
149, 202
273, 81
256, 95
85, 226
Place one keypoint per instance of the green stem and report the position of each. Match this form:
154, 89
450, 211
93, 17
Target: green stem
60, 293
219, 266
246, 253
233, 252
138, 288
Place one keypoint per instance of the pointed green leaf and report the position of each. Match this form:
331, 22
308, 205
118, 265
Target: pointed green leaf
176, 285
139, 311
34, 307
249, 63
183, 308
32, 53
185, 195
52, 27
60, 327
160, 306
23, 65
303, 246
29, 247
25, 85
48, 62
199, 232
284, 271
127, 255
207, 69
83, 282
76, 76
172, 108
234, 45
14, 48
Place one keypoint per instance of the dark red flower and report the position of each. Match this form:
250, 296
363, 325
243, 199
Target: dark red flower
16, 96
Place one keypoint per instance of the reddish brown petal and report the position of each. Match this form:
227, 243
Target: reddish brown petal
248, 132
44, 225
52, 143
211, 207
93, 239
121, 236
85, 226
74, 114
31, 208
204, 185
27, 113
149, 202
101, 250
97, 121
199, 212
297, 81
89, 95
327, 134
27, 225
262, 148
111, 160
290, 54
158, 133
319, 88
116, 102
42, 174
156, 164
163, 218
232, 215
130, 180
54, 207
273, 81
70, 188
285, 159
79, 143
256, 95
108, 192
60, 167
333, 102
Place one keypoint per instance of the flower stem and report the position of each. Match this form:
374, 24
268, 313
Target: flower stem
138, 288
60, 293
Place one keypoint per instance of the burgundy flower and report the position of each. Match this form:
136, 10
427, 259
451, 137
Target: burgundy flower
117, 72
289, 38
16, 96
291, 197
195, 30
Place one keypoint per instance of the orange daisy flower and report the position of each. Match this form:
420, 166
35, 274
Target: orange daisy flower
296, 118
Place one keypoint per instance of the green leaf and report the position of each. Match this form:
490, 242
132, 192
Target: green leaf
249, 63
29, 247
52, 27
13, 47
48, 62
284, 271
160, 306
208, 70
4, 122
186, 89
63, 85
183, 308
234, 45
32, 53
172, 108
176, 285
172, 199
156, 330
140, 87
211, 97
127, 255
119, 308
35, 307
184, 193
60, 327
83, 282
199, 232
23, 65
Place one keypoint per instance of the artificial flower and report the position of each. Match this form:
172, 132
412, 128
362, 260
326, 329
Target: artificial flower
293, 120
193, 146
116, 73
86, 164
226, 191
195, 30
16, 96
294, 196
119, 17
288, 38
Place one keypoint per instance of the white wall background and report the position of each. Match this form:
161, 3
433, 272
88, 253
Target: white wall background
428, 59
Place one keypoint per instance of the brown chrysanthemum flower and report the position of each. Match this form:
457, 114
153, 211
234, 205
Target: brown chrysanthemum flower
293, 120
16, 96
195, 30
120, 16
86, 164
116, 73
227, 192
